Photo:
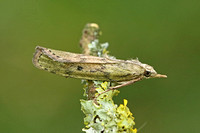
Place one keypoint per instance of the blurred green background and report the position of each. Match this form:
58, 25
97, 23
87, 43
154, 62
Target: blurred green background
162, 33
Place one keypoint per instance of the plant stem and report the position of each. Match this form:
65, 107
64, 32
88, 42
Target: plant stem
102, 115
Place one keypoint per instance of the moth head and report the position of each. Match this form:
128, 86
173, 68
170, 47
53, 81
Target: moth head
151, 73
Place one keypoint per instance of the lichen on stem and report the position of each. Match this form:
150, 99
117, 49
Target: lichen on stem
102, 115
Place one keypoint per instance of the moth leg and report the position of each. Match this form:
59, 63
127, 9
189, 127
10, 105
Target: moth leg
119, 86
120, 83
124, 84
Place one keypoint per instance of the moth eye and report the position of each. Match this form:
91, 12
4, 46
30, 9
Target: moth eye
147, 73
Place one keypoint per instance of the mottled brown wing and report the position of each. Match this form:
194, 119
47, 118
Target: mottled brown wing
85, 67
67, 57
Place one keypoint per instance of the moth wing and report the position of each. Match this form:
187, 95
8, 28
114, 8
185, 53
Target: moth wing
67, 57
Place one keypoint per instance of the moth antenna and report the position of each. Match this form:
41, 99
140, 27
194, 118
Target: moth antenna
142, 126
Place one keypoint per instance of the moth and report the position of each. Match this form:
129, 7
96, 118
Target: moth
93, 68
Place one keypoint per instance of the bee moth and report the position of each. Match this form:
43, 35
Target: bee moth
92, 68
